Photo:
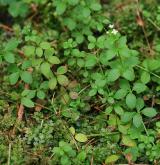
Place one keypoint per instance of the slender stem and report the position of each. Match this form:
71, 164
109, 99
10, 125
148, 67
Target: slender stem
145, 128
142, 26
146, 131
145, 35
120, 59
94, 135
138, 66
154, 24
83, 89
42, 123
9, 154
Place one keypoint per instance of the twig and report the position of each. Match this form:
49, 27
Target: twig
9, 154
154, 24
92, 160
108, 134
141, 23
145, 35
6, 28
20, 112
92, 141
66, 127
75, 142
83, 89
21, 107
21, 53
152, 120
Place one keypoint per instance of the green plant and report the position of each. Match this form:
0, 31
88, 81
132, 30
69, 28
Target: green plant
76, 89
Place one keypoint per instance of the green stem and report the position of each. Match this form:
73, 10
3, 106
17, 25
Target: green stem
145, 128
138, 66
95, 135
154, 24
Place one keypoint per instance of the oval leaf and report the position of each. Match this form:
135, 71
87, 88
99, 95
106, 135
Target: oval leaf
111, 159
113, 75
131, 101
26, 77
52, 83
54, 60
13, 78
9, 57
137, 120
149, 112
45, 69
62, 70
81, 137
27, 102
127, 141
62, 80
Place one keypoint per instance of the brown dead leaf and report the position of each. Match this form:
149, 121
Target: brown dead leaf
140, 21
73, 95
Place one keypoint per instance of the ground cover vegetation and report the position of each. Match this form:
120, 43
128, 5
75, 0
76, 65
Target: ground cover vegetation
80, 82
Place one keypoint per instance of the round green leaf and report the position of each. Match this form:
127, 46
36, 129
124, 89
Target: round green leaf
145, 77
72, 130
129, 74
131, 100
52, 83
92, 92
127, 141
111, 159
26, 77
62, 80
70, 23
39, 52
40, 94
82, 156
137, 120
60, 7
90, 61
64, 160
85, 12
81, 137
119, 110
92, 39
149, 112
27, 102
105, 56
28, 93
9, 57
139, 104
45, 45
11, 44
45, 69
73, 2
13, 78
91, 45
139, 87
62, 70
120, 94
53, 60
29, 51
127, 116
18, 8
95, 6
113, 75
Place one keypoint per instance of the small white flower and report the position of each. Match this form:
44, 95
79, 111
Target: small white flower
114, 31
111, 26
